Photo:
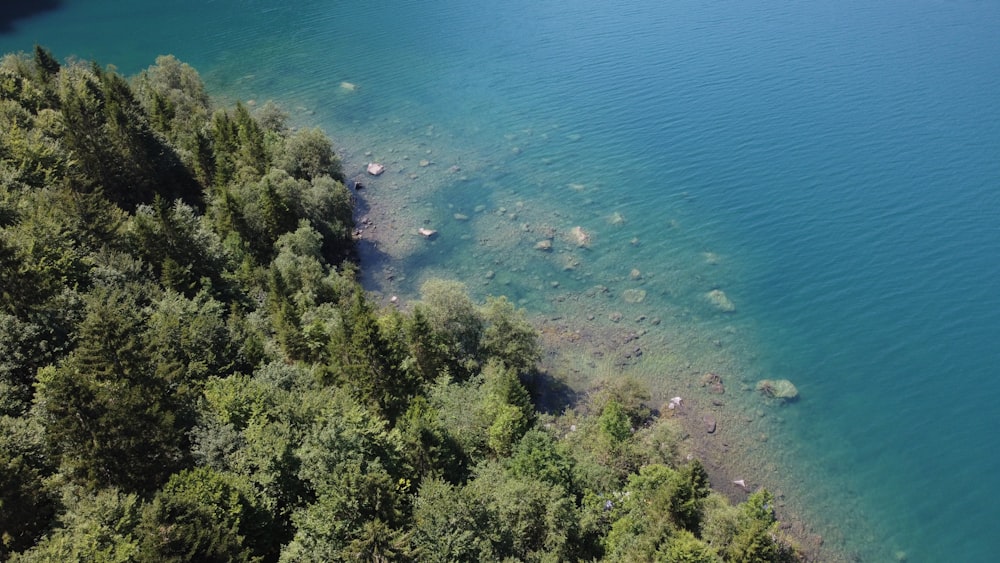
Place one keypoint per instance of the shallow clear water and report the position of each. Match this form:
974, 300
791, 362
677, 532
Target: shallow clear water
833, 167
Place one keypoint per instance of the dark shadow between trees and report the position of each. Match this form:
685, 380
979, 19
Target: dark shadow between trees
13, 10
549, 394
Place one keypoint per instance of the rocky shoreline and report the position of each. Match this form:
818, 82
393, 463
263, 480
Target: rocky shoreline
581, 348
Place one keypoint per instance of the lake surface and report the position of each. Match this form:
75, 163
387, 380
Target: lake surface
832, 167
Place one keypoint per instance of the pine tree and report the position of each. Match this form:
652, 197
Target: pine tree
109, 412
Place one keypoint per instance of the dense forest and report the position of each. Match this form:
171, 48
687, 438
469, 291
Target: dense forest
189, 370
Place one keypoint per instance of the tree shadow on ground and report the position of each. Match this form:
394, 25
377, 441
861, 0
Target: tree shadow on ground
549, 394
370, 259
13, 10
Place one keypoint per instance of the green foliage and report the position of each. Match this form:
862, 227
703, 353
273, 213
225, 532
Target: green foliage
204, 515
537, 456
756, 539
350, 460
508, 425
343, 518
20, 83
508, 337
689, 489
253, 426
428, 450
237, 400
460, 410
309, 155
304, 298
527, 520
108, 408
614, 423
185, 254
98, 527
659, 442
719, 521
272, 118
456, 323
266, 458
365, 362
684, 547
26, 502
114, 147
327, 204
45, 63
174, 97
448, 524
49, 245
347, 435
642, 524
447, 332
426, 351
606, 449
507, 407
259, 209
32, 154
660, 503
631, 394
239, 146
193, 335
486, 414
20, 357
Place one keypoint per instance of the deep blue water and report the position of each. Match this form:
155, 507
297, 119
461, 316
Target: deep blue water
841, 158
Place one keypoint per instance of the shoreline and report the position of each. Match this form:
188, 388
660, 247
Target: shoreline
579, 350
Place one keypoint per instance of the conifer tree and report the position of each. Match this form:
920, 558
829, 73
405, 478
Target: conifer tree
109, 413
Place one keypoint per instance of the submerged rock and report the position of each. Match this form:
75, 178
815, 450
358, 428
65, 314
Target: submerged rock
720, 300
714, 383
778, 389
710, 424
569, 262
581, 236
634, 295
375, 168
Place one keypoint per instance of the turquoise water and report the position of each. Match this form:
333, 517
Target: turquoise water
833, 167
